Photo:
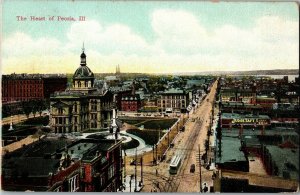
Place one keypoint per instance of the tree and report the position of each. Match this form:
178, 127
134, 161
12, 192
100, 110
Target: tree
41, 106
34, 106
26, 108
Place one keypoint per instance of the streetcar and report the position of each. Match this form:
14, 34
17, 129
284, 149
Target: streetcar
175, 164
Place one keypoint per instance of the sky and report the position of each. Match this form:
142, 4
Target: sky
149, 36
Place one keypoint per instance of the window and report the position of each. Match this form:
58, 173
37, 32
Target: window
82, 172
111, 171
75, 107
94, 105
73, 184
60, 111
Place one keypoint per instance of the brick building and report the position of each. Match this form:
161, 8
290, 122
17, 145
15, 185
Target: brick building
64, 165
24, 87
102, 167
130, 103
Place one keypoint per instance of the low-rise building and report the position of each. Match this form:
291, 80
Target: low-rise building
130, 103
173, 100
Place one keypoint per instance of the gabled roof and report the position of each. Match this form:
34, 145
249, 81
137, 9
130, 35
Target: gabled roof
60, 104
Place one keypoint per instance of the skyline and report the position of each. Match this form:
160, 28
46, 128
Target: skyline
167, 37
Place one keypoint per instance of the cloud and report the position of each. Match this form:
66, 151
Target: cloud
21, 44
177, 31
181, 44
114, 38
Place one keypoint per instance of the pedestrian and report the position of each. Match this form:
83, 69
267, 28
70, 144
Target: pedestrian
156, 172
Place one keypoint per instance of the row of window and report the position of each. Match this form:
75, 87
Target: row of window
173, 97
172, 101
14, 82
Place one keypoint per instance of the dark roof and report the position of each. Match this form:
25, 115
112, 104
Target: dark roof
286, 160
60, 104
83, 72
237, 116
83, 55
40, 148
230, 151
131, 97
34, 166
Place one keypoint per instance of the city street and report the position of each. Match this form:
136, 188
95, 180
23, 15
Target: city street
186, 144
20, 117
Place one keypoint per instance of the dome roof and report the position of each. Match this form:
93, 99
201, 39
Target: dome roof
83, 72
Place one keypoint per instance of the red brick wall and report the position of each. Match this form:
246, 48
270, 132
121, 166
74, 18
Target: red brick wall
22, 90
130, 106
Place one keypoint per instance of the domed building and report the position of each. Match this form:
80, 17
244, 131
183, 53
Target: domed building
83, 106
83, 78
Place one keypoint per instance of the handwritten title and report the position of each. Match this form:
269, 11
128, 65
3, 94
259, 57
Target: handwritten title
50, 18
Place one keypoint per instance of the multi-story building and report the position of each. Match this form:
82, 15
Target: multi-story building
83, 106
238, 95
173, 100
130, 103
64, 165
102, 168
41, 166
24, 87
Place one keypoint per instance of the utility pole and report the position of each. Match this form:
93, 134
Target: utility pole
153, 147
130, 183
124, 166
142, 170
156, 146
169, 138
200, 169
135, 170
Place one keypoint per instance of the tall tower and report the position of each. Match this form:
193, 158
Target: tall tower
83, 78
118, 69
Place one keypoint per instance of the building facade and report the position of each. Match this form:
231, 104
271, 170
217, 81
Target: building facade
130, 103
173, 100
64, 165
83, 106
25, 87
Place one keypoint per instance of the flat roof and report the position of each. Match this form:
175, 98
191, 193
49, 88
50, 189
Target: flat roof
262, 180
238, 116
286, 159
230, 151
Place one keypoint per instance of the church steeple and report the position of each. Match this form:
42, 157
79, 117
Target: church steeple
83, 57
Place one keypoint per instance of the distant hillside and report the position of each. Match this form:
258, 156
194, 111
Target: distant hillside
257, 72
252, 72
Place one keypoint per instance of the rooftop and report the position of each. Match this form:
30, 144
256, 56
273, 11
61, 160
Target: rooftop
286, 160
32, 76
173, 91
230, 151
238, 116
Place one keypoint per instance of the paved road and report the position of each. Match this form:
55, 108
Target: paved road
191, 182
186, 143
19, 118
